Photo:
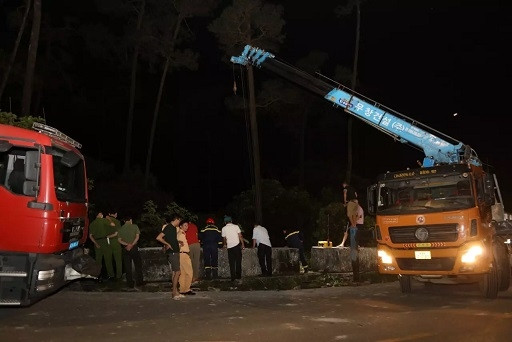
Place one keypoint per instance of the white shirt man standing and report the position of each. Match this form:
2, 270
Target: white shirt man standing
261, 239
234, 242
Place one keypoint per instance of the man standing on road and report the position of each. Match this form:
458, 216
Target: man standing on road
128, 236
168, 237
210, 237
187, 272
195, 249
112, 238
98, 231
234, 242
261, 239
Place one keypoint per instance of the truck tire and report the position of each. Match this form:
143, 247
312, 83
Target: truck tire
489, 282
503, 270
405, 283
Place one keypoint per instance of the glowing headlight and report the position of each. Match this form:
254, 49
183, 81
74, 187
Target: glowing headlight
470, 256
384, 257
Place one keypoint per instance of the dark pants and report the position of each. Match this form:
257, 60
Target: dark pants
130, 256
354, 252
302, 257
265, 259
211, 260
235, 262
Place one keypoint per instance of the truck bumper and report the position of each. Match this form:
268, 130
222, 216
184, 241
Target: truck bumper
28, 277
455, 261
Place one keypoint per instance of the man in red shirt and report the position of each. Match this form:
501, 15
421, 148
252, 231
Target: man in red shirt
195, 249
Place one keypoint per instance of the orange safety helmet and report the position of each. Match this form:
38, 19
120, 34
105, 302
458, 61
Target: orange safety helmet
210, 220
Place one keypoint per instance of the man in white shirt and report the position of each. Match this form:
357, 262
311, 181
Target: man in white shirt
261, 239
234, 242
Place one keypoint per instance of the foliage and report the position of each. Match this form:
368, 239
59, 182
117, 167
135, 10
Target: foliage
152, 220
7, 118
150, 224
175, 208
282, 208
249, 22
332, 222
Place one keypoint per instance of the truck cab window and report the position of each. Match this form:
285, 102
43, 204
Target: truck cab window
12, 170
69, 178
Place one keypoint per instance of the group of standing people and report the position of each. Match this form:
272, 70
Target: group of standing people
180, 238
116, 246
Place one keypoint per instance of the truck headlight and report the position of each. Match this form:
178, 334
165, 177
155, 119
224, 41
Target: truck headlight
384, 257
471, 254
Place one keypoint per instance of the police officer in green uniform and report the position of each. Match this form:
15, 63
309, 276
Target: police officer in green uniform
112, 238
98, 231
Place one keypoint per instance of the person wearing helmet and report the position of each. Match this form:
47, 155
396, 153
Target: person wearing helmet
210, 237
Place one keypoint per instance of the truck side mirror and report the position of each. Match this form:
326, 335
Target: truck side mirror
32, 165
5, 146
372, 195
489, 189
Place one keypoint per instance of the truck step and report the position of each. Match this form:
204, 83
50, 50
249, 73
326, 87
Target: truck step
9, 302
16, 274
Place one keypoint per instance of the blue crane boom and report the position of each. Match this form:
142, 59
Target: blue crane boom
438, 148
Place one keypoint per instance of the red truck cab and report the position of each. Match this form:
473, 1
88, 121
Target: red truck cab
43, 213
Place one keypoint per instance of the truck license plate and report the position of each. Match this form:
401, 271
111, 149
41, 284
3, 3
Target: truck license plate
422, 255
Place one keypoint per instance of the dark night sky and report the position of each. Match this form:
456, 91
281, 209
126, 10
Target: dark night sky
425, 59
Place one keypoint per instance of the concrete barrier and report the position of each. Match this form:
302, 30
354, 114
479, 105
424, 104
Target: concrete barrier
337, 260
284, 261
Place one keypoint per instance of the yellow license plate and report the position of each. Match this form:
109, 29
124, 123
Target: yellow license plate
422, 255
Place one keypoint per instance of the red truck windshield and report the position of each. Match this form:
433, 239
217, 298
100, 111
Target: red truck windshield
69, 179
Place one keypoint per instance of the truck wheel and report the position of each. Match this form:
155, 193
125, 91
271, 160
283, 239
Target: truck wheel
503, 270
489, 283
405, 283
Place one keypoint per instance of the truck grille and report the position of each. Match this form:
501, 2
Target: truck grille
434, 264
436, 233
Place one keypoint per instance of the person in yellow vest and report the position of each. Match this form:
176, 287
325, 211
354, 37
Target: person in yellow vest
187, 272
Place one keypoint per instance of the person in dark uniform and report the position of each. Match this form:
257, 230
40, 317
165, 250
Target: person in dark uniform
210, 237
295, 239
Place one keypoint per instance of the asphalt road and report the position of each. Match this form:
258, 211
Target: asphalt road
376, 312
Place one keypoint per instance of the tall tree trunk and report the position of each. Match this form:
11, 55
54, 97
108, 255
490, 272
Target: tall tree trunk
157, 104
133, 82
15, 49
31, 59
255, 146
353, 85
302, 148
155, 119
